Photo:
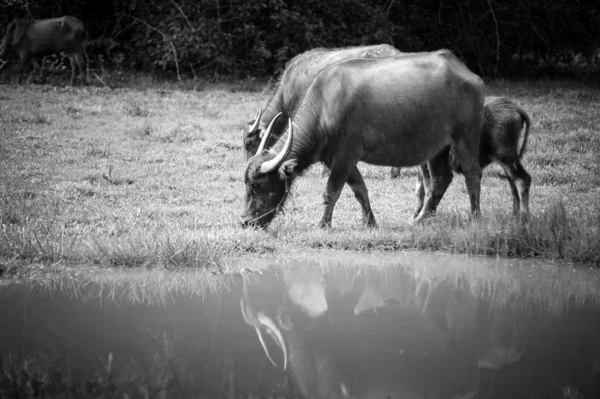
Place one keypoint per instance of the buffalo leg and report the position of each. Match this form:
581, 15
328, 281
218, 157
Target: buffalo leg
335, 184
436, 183
513, 189
523, 182
519, 181
23, 65
467, 153
357, 184
38, 67
79, 60
73, 68
420, 188
395, 172
441, 178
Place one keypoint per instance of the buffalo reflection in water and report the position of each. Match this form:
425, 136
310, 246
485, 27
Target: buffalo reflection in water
364, 334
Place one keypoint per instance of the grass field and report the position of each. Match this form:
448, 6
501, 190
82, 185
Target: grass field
150, 174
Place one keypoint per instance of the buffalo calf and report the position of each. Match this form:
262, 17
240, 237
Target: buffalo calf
503, 123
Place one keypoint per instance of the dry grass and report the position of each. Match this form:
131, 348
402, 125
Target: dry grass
151, 175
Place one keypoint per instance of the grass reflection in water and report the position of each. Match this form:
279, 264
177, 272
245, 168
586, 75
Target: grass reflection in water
181, 334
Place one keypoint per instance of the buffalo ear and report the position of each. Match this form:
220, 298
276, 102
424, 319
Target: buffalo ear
286, 170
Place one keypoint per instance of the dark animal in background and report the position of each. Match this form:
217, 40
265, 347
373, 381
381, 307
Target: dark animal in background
405, 110
33, 39
297, 77
503, 123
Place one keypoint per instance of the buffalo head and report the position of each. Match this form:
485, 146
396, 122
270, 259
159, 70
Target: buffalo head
268, 178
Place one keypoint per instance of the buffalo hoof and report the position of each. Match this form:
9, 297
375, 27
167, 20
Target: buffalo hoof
521, 216
370, 222
325, 224
475, 215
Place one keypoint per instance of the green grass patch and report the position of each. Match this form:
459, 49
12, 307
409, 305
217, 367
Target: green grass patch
551, 234
152, 175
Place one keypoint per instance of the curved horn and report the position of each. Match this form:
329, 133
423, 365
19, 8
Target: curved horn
261, 320
265, 138
274, 163
256, 120
247, 318
275, 333
262, 342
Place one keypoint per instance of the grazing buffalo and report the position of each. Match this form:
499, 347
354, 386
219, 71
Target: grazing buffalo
503, 122
299, 73
404, 110
32, 39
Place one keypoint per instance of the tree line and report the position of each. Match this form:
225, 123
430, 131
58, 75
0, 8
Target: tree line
240, 38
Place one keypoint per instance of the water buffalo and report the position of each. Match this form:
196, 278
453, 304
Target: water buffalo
503, 122
32, 39
297, 77
404, 110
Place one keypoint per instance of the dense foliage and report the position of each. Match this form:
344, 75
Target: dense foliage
251, 38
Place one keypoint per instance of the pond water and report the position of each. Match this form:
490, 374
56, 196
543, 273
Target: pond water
308, 325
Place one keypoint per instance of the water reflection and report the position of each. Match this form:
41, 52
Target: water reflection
410, 326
